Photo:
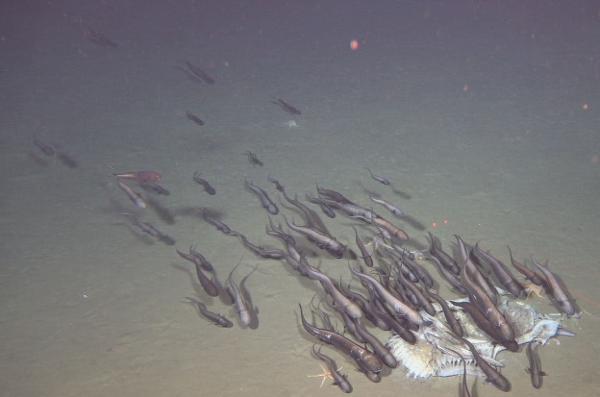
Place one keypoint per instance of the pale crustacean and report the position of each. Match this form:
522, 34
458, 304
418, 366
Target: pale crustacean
431, 356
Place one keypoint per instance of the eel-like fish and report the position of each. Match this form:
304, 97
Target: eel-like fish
535, 364
216, 318
264, 198
204, 183
366, 360
339, 380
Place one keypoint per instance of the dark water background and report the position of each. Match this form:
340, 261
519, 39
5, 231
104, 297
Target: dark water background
485, 113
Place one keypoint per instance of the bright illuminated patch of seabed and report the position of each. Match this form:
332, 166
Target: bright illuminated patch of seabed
431, 355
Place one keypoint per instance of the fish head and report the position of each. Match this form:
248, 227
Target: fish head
372, 363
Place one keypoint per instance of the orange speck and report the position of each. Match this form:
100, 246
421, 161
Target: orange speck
354, 45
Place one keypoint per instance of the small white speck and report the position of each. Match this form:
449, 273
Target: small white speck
291, 124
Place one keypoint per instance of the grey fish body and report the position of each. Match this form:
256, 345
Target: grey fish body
473, 271
503, 275
332, 195
264, 198
216, 318
378, 348
453, 323
399, 307
419, 271
561, 297
364, 305
253, 159
323, 241
201, 259
420, 296
286, 107
287, 239
135, 197
341, 302
275, 182
366, 360
378, 178
311, 218
199, 73
193, 118
204, 183
222, 227
464, 388
389, 227
524, 270
263, 252
486, 325
488, 307
393, 323
241, 306
325, 208
349, 326
338, 379
390, 207
435, 249
207, 284
448, 275
365, 255
492, 375
196, 258
535, 364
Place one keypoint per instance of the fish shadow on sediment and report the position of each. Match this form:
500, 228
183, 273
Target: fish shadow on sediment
417, 245
415, 223
116, 209
161, 211
398, 192
401, 193
67, 160
197, 212
141, 237
464, 393
40, 161
368, 191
